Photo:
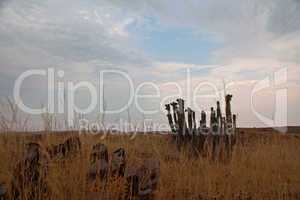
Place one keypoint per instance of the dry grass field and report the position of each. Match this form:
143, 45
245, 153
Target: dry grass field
263, 166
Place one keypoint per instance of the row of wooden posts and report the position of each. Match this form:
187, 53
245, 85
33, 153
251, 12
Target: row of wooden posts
219, 124
29, 179
217, 138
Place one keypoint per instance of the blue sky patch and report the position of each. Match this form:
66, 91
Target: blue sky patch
172, 44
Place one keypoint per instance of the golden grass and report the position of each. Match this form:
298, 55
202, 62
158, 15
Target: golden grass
263, 167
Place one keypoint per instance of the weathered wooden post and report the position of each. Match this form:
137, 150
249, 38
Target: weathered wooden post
29, 176
228, 108
191, 126
170, 120
194, 121
215, 146
219, 112
142, 182
71, 146
98, 164
202, 121
234, 122
219, 117
190, 120
118, 163
223, 125
175, 112
150, 173
132, 185
181, 117
227, 146
182, 127
213, 121
229, 125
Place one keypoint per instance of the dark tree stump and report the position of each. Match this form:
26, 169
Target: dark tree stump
118, 163
98, 163
71, 146
142, 182
29, 176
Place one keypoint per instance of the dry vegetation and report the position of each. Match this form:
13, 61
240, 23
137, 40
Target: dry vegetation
262, 167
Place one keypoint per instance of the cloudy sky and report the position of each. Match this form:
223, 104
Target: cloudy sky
239, 43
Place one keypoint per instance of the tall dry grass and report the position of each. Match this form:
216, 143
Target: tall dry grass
262, 167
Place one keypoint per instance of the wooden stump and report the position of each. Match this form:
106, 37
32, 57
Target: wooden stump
29, 176
98, 163
71, 146
142, 182
118, 163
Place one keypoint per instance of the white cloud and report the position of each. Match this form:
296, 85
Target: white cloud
258, 37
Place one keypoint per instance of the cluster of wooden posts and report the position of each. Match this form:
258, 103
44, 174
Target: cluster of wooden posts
140, 183
29, 179
215, 140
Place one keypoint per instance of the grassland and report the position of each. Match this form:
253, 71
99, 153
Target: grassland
263, 166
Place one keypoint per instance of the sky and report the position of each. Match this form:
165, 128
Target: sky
240, 44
